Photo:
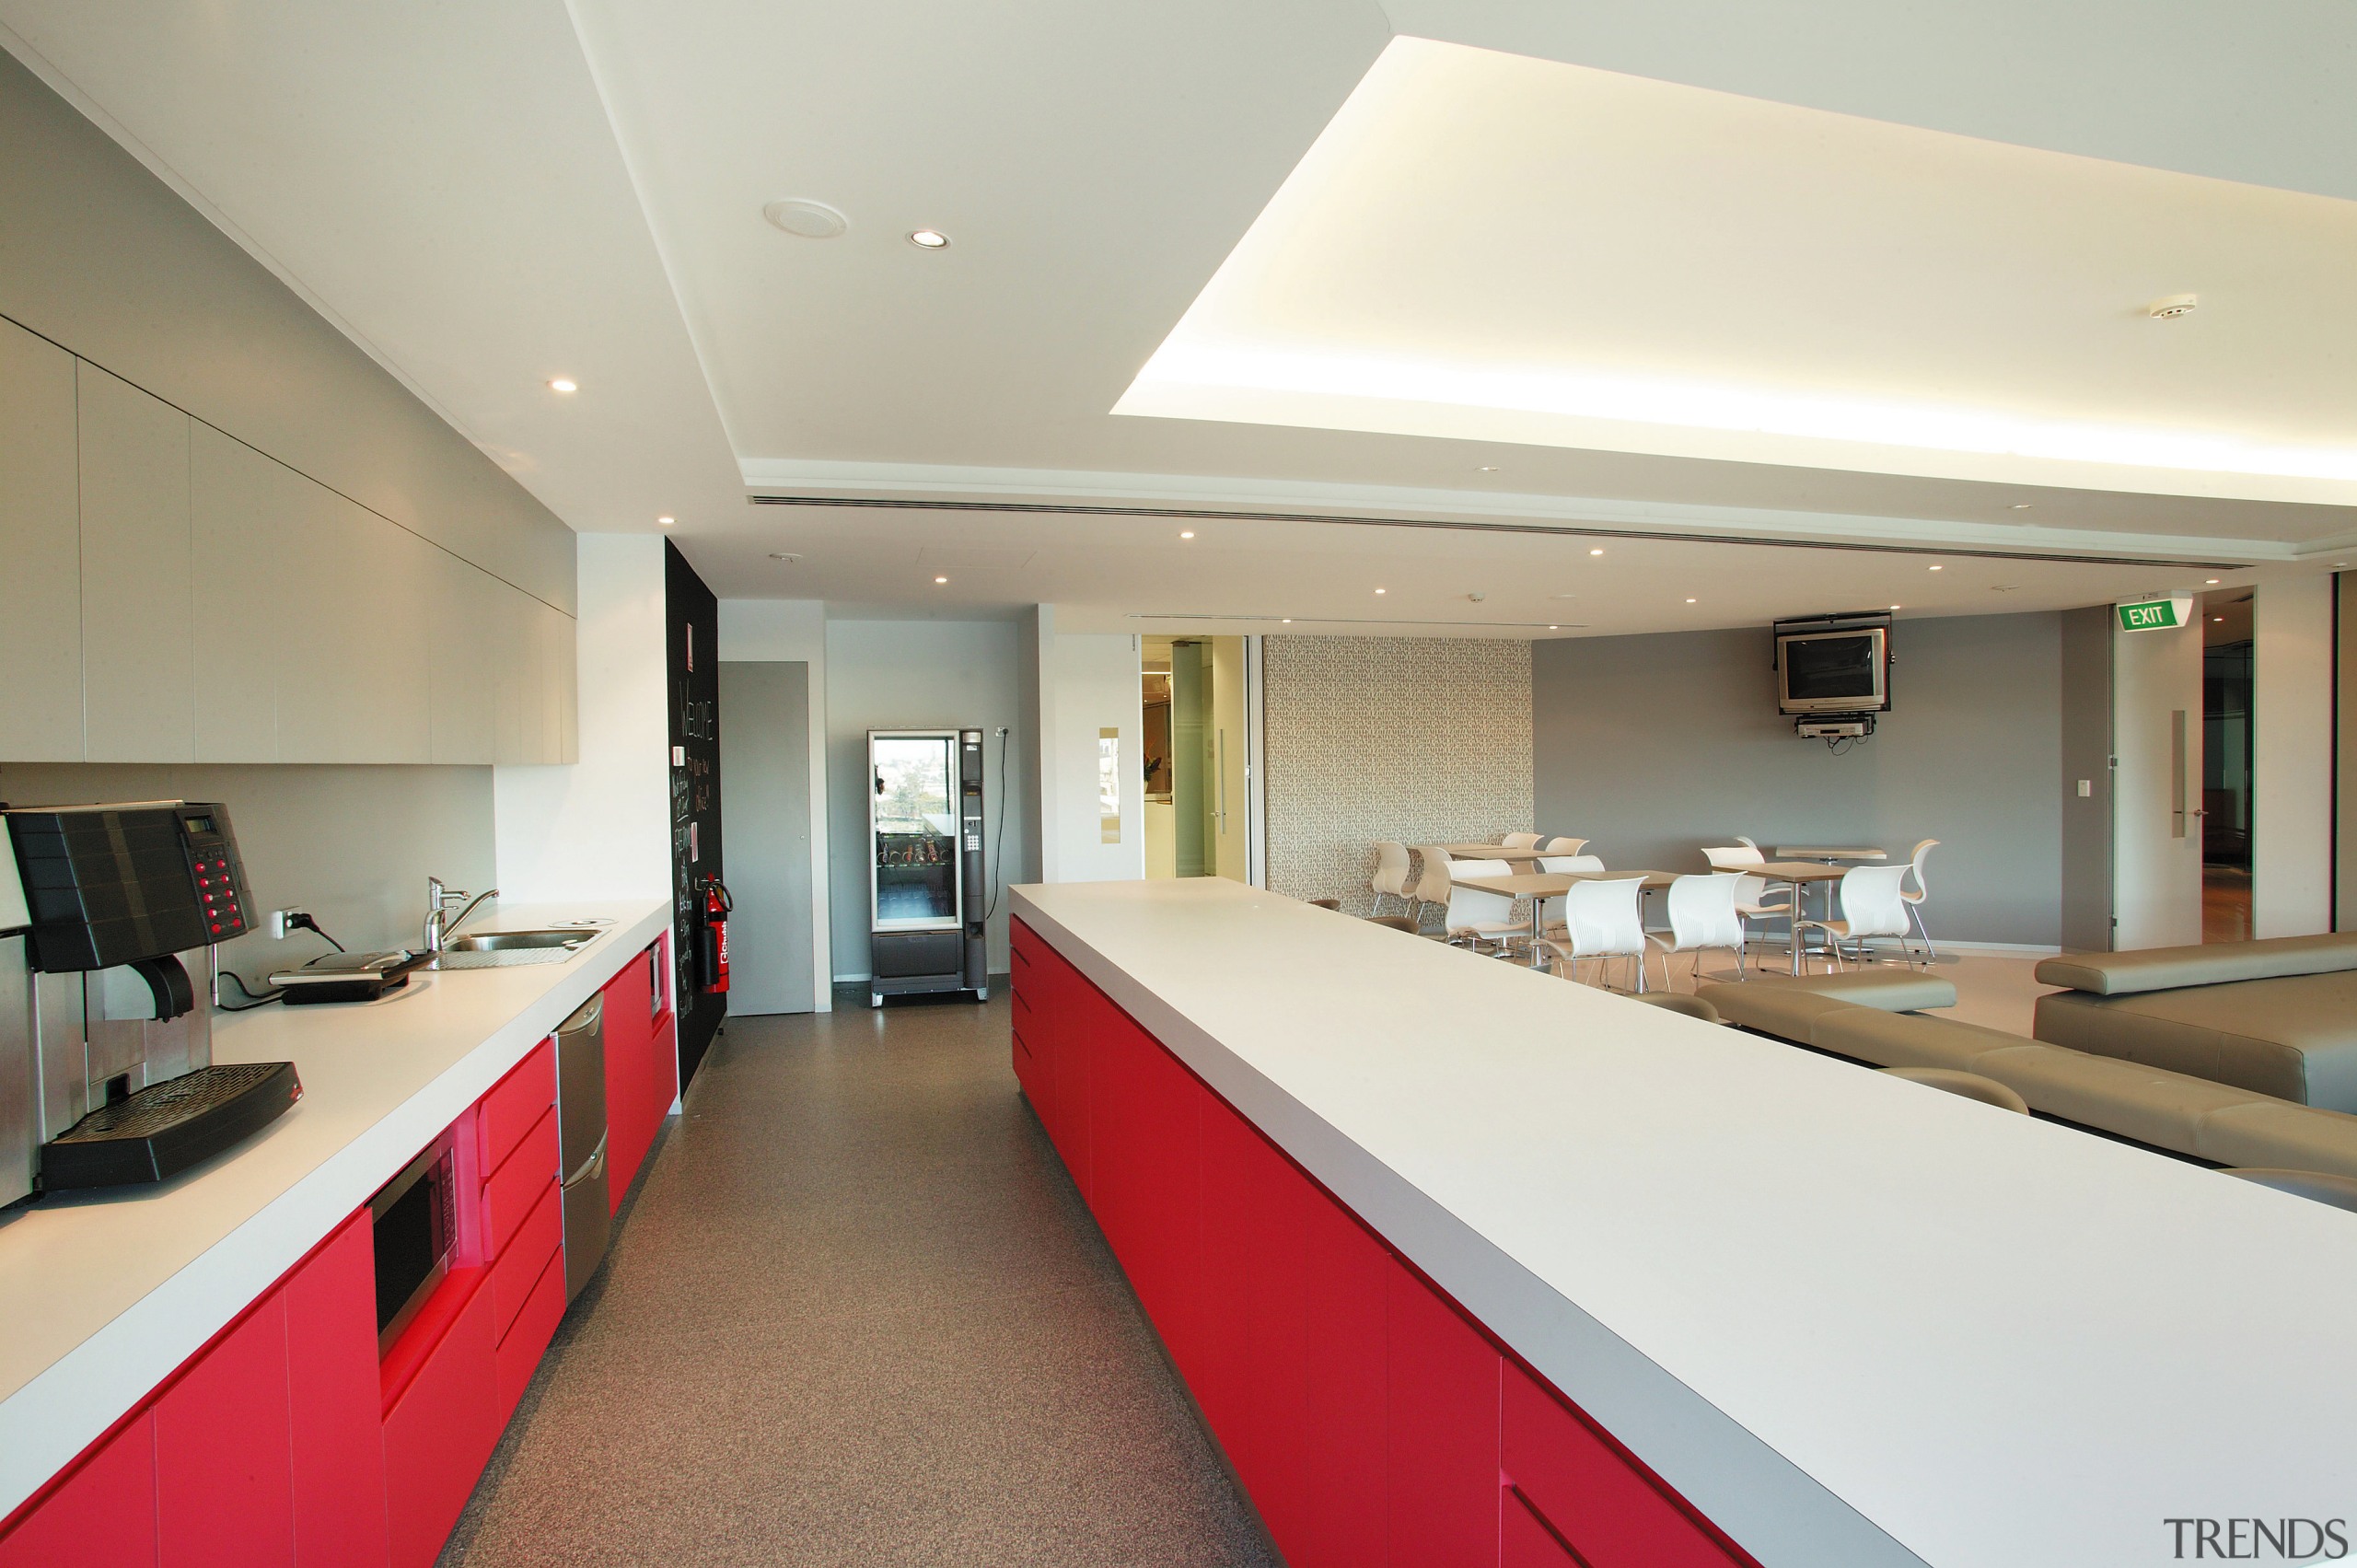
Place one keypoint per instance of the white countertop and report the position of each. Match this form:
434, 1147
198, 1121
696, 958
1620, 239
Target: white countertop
102, 1295
1853, 1319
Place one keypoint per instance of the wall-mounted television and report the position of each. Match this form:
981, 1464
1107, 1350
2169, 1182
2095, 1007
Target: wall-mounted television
1840, 672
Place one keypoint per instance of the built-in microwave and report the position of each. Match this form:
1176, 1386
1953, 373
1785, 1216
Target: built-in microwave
416, 1228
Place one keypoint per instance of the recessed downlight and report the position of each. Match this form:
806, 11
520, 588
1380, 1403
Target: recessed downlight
1383, 590
1554, 628
941, 579
1287, 621
1896, 606
2211, 581
2022, 506
1487, 468
667, 522
784, 555
564, 384
1689, 601
1597, 550
1935, 566
806, 219
929, 239
1185, 533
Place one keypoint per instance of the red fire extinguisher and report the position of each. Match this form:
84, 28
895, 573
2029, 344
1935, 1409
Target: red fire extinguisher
711, 940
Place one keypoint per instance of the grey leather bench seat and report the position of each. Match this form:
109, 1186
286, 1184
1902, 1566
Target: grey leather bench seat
2277, 1017
2186, 1115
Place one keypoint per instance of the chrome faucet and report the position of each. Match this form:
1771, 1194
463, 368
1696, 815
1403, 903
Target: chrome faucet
438, 902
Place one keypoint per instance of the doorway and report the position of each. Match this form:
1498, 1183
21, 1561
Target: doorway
1197, 748
766, 746
2228, 766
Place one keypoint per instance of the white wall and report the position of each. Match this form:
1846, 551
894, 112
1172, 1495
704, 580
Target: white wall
599, 828
794, 631
915, 675
2156, 875
1089, 684
2291, 796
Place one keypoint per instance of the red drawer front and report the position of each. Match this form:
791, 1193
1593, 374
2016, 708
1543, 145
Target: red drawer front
1587, 1495
439, 1435
224, 1451
516, 1103
517, 1188
519, 1268
528, 1338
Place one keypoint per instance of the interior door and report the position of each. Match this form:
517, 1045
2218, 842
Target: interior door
2156, 787
765, 752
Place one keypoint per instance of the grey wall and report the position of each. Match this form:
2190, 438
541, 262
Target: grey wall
2086, 754
1653, 746
102, 258
353, 845
765, 816
917, 675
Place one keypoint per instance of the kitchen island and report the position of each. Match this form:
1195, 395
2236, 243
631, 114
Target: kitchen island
105, 1296
1466, 1263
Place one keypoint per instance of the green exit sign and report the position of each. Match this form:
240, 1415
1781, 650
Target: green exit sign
2155, 614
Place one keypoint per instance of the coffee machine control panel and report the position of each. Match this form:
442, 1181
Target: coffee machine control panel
220, 876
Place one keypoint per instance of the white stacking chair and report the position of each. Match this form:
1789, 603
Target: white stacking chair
1751, 899
1703, 915
1564, 846
1477, 918
1432, 881
1871, 906
1519, 840
1390, 878
1601, 920
1922, 890
1562, 864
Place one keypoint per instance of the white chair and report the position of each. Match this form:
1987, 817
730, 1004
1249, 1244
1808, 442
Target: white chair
1601, 920
1871, 906
1922, 890
1751, 899
1432, 881
1564, 846
1702, 914
1390, 878
1519, 840
1476, 917
1561, 864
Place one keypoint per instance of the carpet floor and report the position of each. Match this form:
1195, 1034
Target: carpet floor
856, 1314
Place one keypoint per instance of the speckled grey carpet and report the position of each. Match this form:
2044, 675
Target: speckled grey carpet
856, 1315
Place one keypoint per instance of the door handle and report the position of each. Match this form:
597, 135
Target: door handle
593, 1165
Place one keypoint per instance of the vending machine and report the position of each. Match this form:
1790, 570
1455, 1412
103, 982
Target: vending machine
927, 888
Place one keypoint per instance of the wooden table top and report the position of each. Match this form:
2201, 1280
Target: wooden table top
1792, 871
1830, 852
1487, 851
1555, 884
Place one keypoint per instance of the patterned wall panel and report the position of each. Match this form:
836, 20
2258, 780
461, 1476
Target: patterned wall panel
1426, 740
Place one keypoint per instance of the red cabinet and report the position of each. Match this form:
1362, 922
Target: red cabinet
441, 1428
642, 1069
224, 1451
333, 1403
101, 1513
1371, 1422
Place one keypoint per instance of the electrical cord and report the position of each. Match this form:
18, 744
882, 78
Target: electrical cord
998, 847
296, 921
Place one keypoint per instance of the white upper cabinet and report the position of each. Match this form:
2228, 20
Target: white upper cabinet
168, 594
238, 504
138, 629
40, 553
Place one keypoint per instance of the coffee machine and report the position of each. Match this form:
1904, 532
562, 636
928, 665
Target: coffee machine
106, 1035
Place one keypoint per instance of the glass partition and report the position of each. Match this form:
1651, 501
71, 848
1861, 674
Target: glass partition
915, 831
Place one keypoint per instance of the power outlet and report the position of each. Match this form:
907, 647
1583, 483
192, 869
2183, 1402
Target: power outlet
278, 925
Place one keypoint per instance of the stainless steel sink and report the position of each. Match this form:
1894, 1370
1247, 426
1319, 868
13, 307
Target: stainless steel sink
502, 949
506, 941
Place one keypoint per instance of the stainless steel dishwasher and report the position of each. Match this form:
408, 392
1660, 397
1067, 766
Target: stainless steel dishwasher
580, 1134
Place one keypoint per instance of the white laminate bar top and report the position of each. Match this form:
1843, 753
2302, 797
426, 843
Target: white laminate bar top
103, 1295
1809, 1295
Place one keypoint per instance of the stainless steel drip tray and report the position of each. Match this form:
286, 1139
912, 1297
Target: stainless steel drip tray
507, 950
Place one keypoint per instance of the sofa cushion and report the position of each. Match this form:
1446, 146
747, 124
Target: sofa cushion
1907, 1039
2279, 1136
2163, 1108
2212, 963
1786, 1007
2294, 1038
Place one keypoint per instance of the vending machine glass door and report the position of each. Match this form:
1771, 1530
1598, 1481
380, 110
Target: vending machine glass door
914, 811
